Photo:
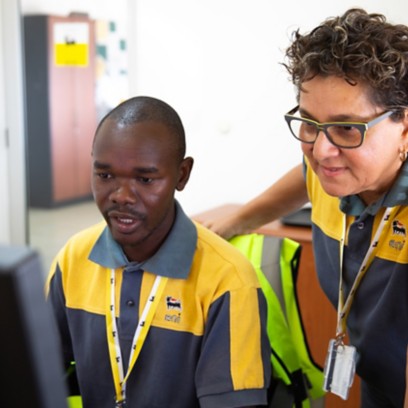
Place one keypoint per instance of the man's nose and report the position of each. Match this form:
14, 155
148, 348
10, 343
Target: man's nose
124, 193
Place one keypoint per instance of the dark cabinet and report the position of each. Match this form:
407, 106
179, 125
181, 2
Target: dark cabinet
60, 104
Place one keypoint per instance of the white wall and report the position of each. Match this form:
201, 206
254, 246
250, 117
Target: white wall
218, 63
95, 8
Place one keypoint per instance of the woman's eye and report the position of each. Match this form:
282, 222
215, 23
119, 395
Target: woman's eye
344, 130
310, 127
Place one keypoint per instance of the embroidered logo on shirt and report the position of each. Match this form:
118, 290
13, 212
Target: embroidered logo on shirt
174, 305
398, 228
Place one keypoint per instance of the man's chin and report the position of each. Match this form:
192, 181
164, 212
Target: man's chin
126, 239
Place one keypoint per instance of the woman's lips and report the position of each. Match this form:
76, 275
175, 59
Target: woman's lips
331, 171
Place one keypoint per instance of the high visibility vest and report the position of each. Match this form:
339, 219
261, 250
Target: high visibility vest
276, 263
74, 401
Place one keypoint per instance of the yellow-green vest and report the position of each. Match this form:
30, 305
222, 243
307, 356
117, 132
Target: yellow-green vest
276, 263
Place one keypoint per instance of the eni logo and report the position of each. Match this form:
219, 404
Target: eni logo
398, 228
173, 305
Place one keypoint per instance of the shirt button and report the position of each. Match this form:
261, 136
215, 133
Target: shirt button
130, 303
360, 225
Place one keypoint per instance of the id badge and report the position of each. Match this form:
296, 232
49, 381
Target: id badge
339, 369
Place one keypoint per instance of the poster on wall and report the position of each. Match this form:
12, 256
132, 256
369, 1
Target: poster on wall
71, 44
112, 86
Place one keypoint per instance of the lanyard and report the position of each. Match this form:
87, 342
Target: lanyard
139, 337
343, 308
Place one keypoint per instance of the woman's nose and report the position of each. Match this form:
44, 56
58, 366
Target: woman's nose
323, 147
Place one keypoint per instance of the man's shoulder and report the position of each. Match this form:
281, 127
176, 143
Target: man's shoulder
212, 240
219, 253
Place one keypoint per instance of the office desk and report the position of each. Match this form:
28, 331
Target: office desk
318, 315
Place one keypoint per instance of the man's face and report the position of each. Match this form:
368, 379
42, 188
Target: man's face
136, 171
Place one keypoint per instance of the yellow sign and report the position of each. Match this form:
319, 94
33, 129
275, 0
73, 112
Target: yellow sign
71, 44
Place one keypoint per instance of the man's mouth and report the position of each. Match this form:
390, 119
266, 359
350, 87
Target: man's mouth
124, 223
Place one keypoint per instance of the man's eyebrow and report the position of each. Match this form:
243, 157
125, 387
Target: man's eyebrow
100, 165
146, 170
140, 170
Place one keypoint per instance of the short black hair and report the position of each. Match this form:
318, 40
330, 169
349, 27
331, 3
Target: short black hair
146, 108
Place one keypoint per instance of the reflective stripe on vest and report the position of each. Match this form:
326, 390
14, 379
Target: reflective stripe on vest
276, 262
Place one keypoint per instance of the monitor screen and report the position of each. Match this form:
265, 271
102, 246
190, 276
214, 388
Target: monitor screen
31, 373
299, 218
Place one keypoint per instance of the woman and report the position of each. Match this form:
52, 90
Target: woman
351, 118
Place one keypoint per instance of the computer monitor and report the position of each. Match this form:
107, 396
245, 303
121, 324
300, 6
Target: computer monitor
299, 218
31, 373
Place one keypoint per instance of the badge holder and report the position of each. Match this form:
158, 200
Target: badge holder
339, 368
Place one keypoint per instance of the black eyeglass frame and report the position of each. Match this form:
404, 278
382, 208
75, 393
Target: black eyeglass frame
322, 127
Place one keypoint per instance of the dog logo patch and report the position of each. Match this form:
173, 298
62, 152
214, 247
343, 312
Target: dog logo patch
173, 303
398, 228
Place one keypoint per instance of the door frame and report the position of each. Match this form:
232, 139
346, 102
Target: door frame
13, 195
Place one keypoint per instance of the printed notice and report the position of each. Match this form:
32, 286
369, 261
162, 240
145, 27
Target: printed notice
71, 44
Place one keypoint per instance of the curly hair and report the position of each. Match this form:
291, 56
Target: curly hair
356, 46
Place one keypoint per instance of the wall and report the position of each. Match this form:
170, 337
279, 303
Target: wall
95, 8
218, 63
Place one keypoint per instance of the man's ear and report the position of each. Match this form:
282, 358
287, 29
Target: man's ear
184, 173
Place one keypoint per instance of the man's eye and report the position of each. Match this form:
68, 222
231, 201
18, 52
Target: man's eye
103, 176
145, 180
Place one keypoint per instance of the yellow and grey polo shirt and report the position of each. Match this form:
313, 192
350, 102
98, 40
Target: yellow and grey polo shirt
207, 345
378, 320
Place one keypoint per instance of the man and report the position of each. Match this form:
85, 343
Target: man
155, 310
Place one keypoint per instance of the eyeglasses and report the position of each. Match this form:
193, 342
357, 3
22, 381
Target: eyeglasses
347, 135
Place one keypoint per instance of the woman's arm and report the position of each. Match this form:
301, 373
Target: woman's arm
283, 197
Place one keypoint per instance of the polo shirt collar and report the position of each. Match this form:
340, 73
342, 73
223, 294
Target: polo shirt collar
397, 195
173, 259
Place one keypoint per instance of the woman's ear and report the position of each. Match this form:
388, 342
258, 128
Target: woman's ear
184, 173
405, 122
403, 147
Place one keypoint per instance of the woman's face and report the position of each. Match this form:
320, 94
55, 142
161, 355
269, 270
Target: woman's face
368, 170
